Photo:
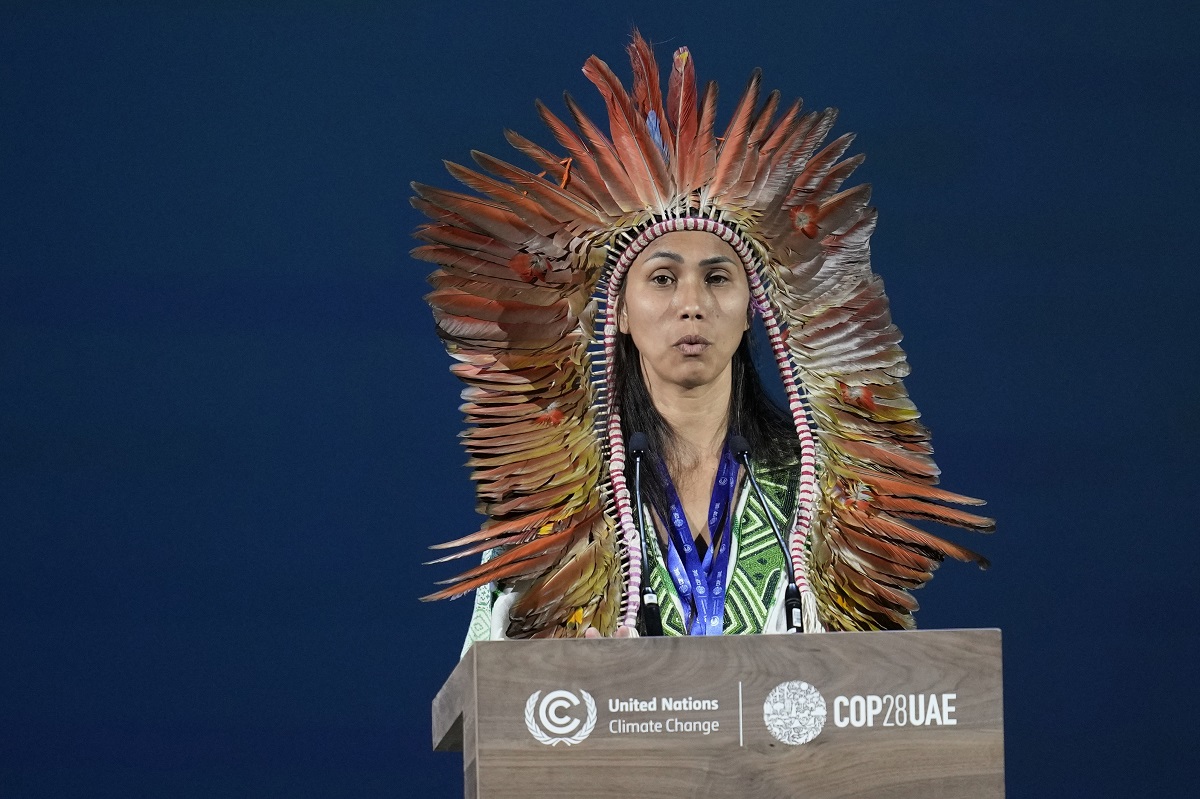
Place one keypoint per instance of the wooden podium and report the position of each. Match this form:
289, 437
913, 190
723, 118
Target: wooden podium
886, 714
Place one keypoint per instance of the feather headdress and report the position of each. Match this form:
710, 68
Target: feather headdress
529, 267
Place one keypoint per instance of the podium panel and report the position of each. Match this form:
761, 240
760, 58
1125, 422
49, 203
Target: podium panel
882, 714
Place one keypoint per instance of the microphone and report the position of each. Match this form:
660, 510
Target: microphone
651, 621
791, 597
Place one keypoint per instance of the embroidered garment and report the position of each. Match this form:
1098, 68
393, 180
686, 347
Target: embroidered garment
755, 581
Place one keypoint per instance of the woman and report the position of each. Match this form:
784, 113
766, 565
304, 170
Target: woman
609, 294
686, 380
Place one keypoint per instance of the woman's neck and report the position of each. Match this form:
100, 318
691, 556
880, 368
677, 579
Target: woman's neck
699, 421
698, 417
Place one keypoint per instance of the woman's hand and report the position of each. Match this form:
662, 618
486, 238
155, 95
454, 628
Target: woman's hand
622, 631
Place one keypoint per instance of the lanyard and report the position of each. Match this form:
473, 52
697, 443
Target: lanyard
701, 583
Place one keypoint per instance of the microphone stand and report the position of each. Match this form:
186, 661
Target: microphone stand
650, 620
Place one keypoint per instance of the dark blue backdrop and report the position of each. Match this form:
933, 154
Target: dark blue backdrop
227, 431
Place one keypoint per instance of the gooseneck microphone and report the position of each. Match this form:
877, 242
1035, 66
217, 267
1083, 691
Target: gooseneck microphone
791, 597
651, 616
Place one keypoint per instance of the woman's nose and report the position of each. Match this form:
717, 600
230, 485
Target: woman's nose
690, 299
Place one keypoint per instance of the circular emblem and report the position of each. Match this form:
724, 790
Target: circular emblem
555, 718
794, 712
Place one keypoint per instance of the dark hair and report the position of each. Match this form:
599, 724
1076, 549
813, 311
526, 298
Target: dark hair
767, 428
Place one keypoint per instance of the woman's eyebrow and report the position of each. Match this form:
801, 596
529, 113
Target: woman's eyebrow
674, 256
677, 258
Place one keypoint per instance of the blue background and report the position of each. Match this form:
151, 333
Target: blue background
227, 430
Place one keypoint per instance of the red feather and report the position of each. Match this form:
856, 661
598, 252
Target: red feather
647, 89
681, 102
637, 151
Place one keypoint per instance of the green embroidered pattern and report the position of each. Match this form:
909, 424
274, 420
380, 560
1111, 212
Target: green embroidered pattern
481, 615
754, 583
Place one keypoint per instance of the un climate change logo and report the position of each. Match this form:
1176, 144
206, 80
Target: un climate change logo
794, 712
548, 721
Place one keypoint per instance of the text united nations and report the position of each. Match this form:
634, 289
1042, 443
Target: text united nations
666, 704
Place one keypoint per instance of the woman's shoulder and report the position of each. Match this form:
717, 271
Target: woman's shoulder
782, 470
780, 482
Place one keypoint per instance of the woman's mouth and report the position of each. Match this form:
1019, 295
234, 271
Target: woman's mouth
692, 345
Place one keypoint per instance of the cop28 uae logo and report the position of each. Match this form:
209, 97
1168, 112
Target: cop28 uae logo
794, 712
555, 718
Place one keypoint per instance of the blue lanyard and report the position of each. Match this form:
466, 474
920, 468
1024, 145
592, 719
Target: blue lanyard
701, 583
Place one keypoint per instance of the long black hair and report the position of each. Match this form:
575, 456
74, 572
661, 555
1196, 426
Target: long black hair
767, 428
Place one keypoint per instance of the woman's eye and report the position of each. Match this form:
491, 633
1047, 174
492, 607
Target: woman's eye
660, 280
718, 278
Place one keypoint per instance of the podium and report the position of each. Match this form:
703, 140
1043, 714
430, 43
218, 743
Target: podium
880, 714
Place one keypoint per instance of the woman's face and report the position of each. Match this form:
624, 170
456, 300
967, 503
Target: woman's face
685, 302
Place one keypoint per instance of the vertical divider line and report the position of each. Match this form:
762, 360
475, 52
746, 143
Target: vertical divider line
741, 737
